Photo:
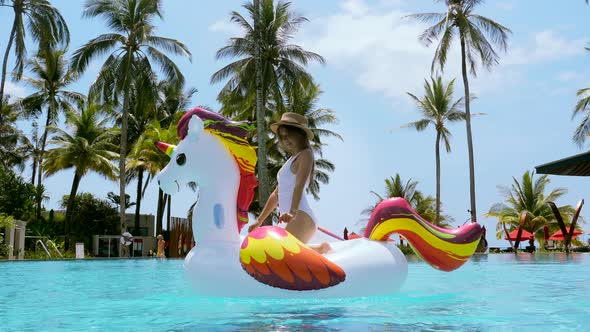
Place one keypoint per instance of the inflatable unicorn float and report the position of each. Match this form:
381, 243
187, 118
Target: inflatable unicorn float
269, 262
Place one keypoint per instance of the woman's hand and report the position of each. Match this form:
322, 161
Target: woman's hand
287, 217
254, 225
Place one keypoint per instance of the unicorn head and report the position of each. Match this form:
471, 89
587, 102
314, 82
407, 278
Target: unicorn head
215, 154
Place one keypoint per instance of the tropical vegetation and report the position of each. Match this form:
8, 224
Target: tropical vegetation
134, 47
424, 205
478, 35
437, 108
140, 93
267, 68
529, 195
88, 147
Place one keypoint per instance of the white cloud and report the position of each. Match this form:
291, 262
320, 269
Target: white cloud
381, 50
547, 46
226, 27
567, 76
355, 7
15, 91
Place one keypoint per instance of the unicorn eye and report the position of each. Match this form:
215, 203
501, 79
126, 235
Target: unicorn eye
181, 159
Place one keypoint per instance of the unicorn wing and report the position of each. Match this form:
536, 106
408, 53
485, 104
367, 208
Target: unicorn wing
276, 258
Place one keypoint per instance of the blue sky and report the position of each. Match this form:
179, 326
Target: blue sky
373, 58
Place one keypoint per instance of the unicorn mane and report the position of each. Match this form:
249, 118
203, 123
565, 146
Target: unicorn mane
234, 136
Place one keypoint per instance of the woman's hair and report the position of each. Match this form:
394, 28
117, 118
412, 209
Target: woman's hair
303, 142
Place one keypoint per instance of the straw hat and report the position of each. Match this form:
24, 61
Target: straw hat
293, 120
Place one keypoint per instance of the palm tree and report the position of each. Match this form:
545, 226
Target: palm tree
423, 205
12, 140
146, 156
46, 26
50, 79
437, 108
89, 147
164, 107
267, 65
134, 47
172, 99
528, 195
475, 33
32, 149
583, 128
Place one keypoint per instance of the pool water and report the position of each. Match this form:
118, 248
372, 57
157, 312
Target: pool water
499, 292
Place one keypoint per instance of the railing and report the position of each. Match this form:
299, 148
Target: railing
44, 248
48, 242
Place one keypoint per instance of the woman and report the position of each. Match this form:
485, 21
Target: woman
293, 136
161, 246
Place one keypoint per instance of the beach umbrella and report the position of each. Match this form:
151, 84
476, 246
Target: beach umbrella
558, 236
523, 236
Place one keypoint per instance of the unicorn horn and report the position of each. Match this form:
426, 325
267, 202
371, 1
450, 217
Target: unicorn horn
165, 147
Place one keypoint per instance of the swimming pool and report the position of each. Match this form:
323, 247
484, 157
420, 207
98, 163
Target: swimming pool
491, 292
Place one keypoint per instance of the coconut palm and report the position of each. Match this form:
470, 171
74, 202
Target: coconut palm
422, 204
164, 107
87, 147
266, 65
12, 140
528, 195
50, 78
171, 100
583, 129
146, 156
478, 35
438, 108
133, 47
43, 21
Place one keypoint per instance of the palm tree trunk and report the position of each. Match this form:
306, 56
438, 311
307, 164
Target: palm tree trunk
160, 211
469, 140
4, 63
123, 153
437, 176
40, 170
34, 171
168, 213
138, 200
71, 199
263, 180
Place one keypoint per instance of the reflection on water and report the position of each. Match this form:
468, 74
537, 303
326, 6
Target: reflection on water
540, 257
490, 292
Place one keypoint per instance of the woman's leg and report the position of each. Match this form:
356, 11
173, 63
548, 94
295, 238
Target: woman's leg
303, 228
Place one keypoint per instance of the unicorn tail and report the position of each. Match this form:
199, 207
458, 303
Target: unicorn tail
443, 249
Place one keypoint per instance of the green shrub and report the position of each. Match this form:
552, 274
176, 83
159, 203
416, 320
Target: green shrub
5, 221
17, 197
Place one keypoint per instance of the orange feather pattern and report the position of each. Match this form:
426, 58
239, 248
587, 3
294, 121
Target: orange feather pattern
276, 258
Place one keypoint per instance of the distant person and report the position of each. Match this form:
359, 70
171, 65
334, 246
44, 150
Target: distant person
298, 172
151, 253
161, 246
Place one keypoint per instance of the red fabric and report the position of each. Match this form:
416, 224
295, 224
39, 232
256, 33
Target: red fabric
245, 196
524, 236
558, 236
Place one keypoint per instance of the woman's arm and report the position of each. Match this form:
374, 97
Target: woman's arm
270, 205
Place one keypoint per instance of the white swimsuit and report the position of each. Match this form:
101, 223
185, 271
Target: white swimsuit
286, 186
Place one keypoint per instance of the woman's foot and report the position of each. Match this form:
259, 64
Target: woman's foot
322, 248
